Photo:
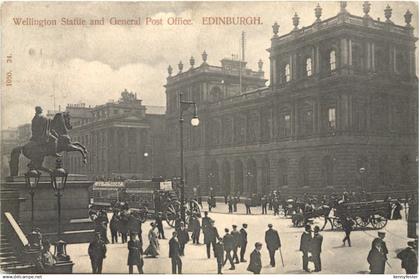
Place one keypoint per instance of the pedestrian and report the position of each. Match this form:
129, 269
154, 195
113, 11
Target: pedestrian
123, 225
377, 258
248, 205
183, 238
230, 204
210, 236
209, 202
174, 254
205, 221
135, 252
316, 245
236, 243
276, 206
103, 218
113, 226
97, 253
255, 264
152, 249
228, 243
347, 227
219, 251
396, 213
264, 204
272, 240
409, 258
380, 240
196, 228
133, 223
235, 203
226, 197
305, 244
244, 241
159, 225
100, 227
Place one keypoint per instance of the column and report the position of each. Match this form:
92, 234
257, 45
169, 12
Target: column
372, 52
273, 74
258, 176
317, 61
368, 56
344, 52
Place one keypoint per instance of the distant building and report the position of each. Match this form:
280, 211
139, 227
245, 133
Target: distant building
122, 138
340, 110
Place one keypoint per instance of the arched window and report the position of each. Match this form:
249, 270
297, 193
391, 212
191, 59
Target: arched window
308, 66
282, 173
333, 64
287, 76
331, 118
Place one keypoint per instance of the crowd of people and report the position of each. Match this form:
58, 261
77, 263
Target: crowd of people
230, 248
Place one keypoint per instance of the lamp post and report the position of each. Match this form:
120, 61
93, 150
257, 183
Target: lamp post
58, 182
362, 172
248, 175
32, 180
183, 106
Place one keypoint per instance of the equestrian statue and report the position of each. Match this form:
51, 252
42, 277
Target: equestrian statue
49, 138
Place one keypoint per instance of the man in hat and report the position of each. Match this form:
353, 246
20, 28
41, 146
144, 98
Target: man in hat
316, 245
255, 264
159, 225
229, 244
183, 237
236, 243
305, 245
210, 237
135, 251
409, 258
244, 241
380, 240
272, 240
174, 254
219, 252
97, 253
196, 228
377, 258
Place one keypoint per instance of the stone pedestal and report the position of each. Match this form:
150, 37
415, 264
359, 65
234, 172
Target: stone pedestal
75, 223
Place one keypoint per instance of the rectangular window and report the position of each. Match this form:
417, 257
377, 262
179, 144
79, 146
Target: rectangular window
331, 118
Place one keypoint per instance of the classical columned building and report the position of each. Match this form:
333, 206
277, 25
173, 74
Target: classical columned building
340, 111
119, 137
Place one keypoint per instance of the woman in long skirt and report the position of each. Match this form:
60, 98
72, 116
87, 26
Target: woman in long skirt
152, 249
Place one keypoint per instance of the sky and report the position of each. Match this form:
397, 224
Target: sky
94, 64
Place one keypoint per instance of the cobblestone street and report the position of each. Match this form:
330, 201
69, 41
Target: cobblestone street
335, 257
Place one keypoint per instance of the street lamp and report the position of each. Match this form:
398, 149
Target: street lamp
58, 182
362, 172
32, 180
183, 106
249, 175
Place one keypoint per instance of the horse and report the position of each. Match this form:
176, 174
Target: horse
36, 151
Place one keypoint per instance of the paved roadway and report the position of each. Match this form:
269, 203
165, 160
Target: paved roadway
335, 257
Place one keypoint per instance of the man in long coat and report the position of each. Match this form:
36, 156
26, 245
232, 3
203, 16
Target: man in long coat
244, 241
135, 251
228, 243
174, 254
236, 243
316, 248
305, 245
272, 240
196, 228
255, 264
97, 253
210, 236
409, 258
219, 251
183, 237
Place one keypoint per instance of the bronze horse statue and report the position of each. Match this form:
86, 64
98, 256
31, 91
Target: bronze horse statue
36, 151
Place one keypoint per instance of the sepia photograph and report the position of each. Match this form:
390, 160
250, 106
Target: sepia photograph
209, 137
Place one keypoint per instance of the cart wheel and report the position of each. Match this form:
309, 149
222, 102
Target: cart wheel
193, 208
361, 222
172, 214
378, 221
337, 224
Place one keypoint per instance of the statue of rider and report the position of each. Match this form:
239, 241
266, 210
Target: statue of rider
41, 132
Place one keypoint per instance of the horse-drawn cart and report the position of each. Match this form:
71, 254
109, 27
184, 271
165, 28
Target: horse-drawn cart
159, 198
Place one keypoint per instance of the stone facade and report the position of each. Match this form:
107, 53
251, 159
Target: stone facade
117, 136
342, 97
